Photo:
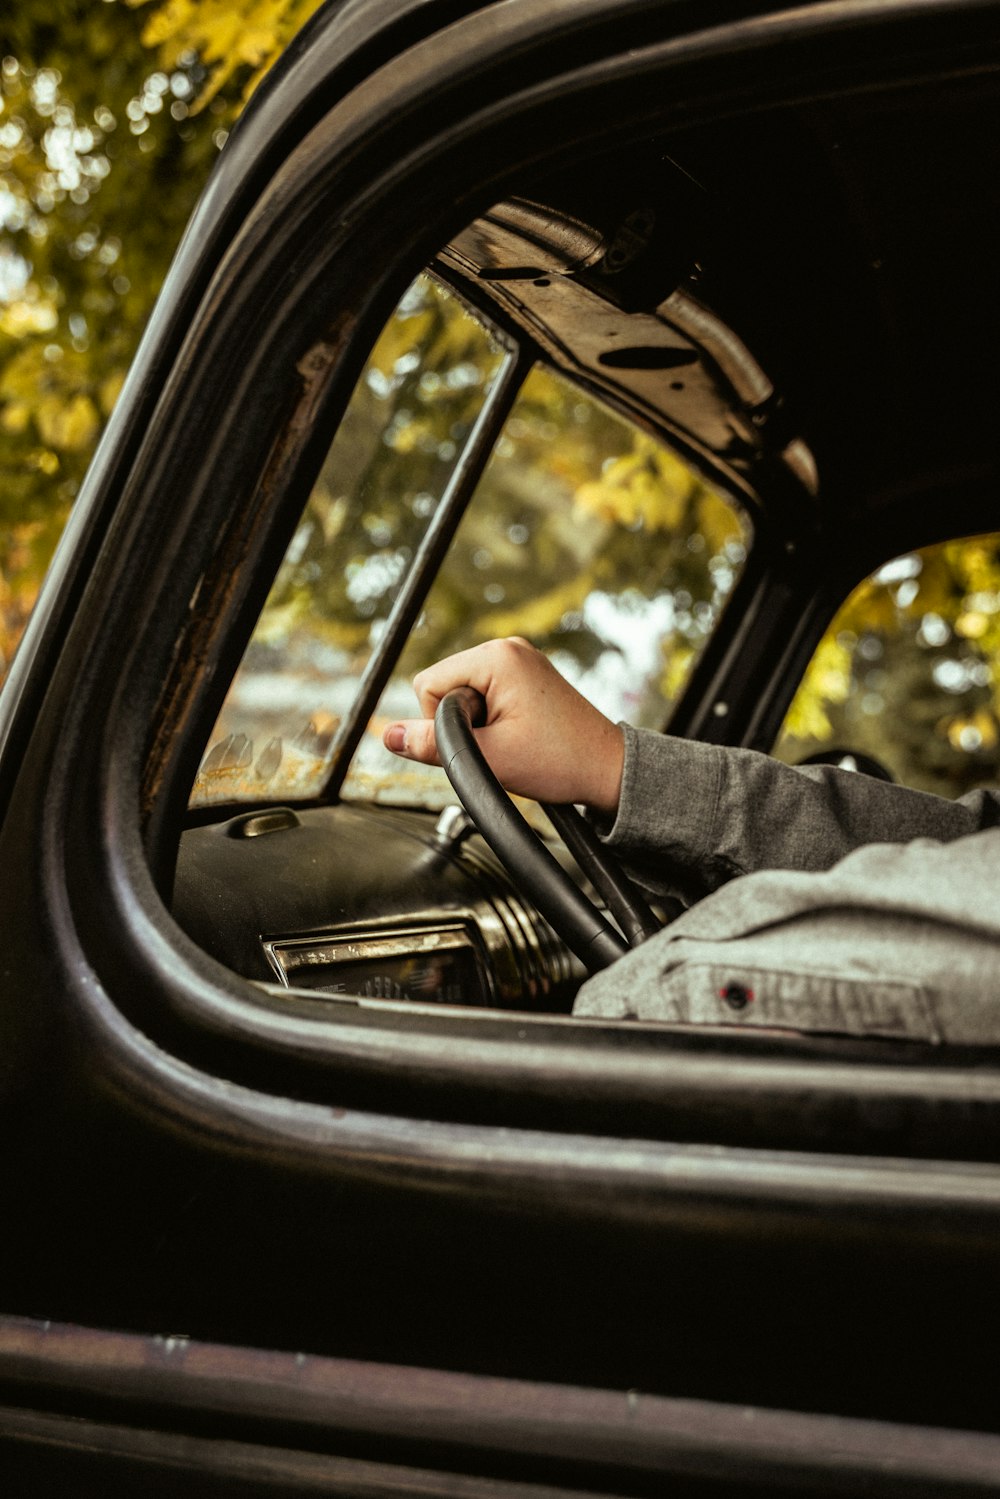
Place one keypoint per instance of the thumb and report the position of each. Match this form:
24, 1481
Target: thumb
413, 739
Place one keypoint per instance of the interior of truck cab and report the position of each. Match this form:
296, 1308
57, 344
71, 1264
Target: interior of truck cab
430, 528
660, 412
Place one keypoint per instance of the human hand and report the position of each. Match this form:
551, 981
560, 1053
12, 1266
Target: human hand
541, 737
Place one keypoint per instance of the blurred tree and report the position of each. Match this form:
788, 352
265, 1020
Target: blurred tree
567, 491
581, 511
909, 671
111, 115
584, 533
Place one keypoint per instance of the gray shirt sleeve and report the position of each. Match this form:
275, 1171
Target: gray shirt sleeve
865, 908
693, 816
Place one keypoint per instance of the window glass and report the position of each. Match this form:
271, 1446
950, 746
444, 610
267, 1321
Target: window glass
593, 540
403, 433
584, 534
909, 671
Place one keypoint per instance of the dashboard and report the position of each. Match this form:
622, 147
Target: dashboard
377, 902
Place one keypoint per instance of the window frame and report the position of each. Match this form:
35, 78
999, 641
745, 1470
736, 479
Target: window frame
163, 1020
520, 357
529, 1183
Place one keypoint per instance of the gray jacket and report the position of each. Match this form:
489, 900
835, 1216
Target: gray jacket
826, 900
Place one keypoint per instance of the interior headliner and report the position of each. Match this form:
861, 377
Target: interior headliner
804, 300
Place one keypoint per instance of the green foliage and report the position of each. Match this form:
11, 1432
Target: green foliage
110, 117
575, 503
909, 671
235, 40
388, 466
584, 534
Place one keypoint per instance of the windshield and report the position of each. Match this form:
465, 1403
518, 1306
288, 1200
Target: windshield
404, 431
585, 534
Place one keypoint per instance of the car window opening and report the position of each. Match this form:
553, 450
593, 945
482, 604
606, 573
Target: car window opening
584, 533
907, 675
468, 493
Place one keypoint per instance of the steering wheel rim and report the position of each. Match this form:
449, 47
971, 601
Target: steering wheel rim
584, 929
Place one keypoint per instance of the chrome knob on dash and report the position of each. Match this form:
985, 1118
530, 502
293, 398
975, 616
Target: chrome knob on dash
452, 828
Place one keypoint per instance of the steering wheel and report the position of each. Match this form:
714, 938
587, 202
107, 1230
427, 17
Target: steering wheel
581, 925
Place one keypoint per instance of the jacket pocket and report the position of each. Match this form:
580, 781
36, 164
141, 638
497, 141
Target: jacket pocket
698, 993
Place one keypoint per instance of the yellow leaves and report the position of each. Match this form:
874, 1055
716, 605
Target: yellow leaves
717, 521
827, 681
648, 487
68, 426
230, 37
909, 670
44, 461
21, 376
409, 437
937, 593
972, 624
15, 418
109, 390
166, 22
972, 731
458, 337
18, 588
974, 564
959, 582
678, 657
348, 635
99, 166
27, 546
26, 316
330, 513
537, 616
278, 620
401, 336
871, 607
54, 394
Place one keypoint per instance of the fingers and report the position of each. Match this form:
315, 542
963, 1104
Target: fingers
542, 738
497, 669
412, 738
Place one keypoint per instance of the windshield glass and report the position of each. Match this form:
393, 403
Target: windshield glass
404, 431
593, 540
585, 534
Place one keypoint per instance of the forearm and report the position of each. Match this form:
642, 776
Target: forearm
692, 815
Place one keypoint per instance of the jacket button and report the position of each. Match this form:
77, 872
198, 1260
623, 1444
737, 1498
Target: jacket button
737, 996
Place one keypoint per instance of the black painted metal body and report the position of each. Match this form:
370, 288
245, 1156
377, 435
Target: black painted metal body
807, 1227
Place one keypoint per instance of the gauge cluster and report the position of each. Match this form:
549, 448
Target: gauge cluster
374, 902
